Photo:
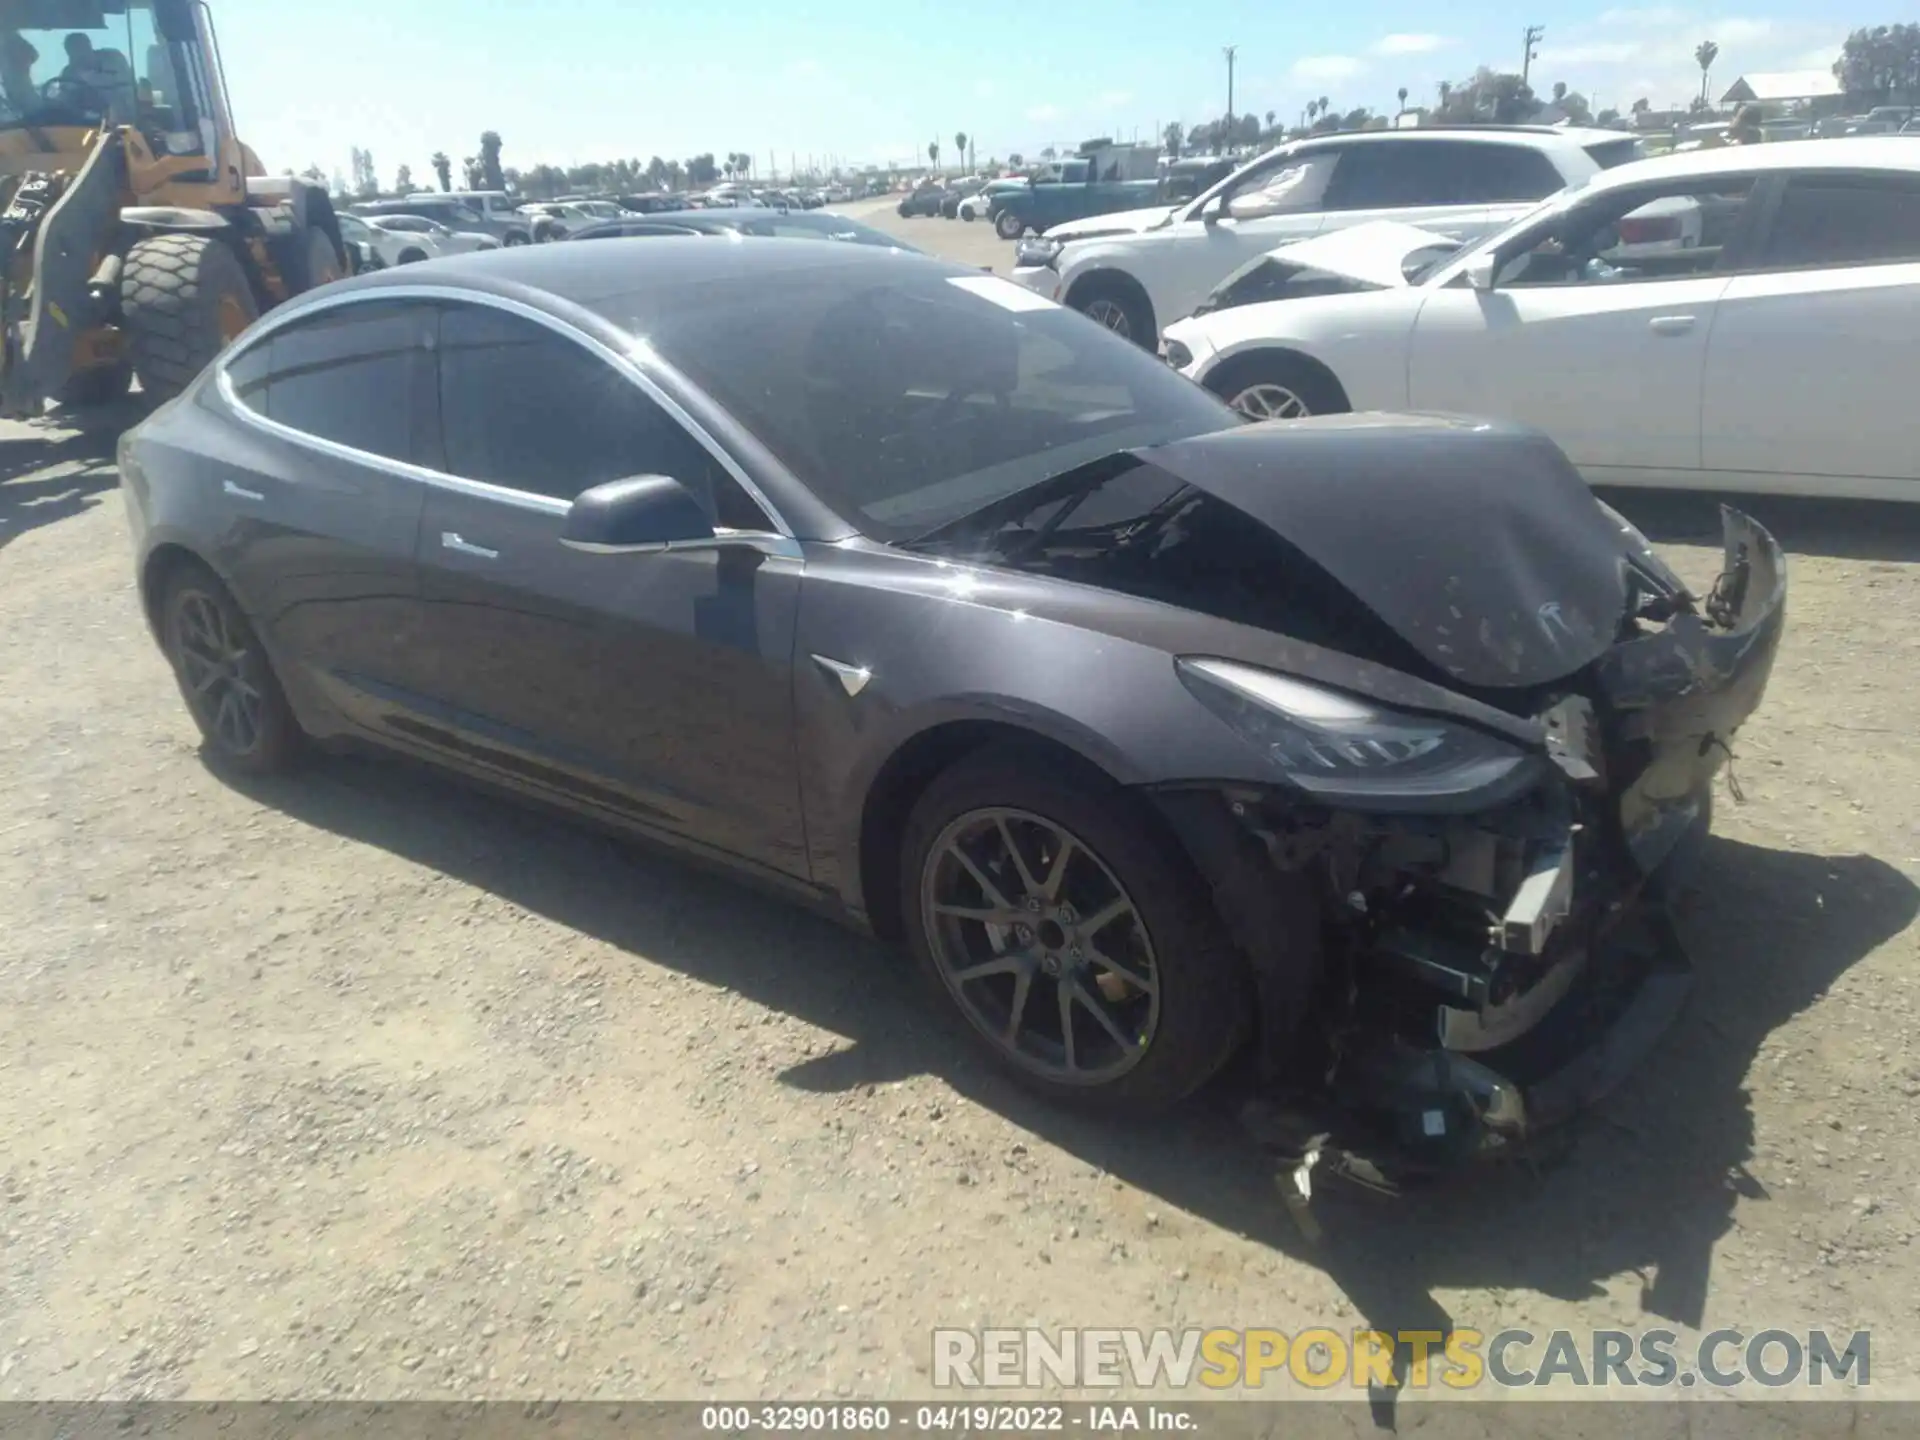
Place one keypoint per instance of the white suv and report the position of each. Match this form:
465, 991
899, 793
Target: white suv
1138, 272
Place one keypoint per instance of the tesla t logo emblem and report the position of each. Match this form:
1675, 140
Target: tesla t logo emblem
853, 678
1552, 623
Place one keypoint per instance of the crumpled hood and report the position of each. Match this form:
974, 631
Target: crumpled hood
1374, 254
1477, 542
1121, 222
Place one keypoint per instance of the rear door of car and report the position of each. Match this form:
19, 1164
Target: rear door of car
654, 686
1810, 369
327, 497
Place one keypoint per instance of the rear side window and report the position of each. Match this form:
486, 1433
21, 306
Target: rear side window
352, 375
1386, 175
1845, 220
526, 408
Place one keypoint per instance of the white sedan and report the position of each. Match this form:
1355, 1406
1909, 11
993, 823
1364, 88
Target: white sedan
1761, 342
408, 239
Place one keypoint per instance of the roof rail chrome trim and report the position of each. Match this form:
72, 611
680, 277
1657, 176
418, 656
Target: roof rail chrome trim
265, 328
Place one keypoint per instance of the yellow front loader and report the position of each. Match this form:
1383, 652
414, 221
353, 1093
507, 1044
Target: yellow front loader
137, 233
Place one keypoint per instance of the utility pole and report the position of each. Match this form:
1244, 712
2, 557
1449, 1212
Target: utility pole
1230, 51
1534, 32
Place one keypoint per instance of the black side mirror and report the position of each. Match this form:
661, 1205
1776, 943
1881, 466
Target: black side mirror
640, 513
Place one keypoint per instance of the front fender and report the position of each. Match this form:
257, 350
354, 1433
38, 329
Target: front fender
1362, 340
890, 646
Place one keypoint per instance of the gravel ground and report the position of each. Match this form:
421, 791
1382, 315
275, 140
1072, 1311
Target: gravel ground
363, 1084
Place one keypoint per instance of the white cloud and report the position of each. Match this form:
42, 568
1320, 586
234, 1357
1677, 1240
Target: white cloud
1040, 114
1599, 52
1113, 99
1641, 19
1328, 67
1411, 44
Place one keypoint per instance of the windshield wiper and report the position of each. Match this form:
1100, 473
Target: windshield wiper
1070, 485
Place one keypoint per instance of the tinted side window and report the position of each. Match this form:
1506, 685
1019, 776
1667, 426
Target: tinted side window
1845, 220
527, 408
1377, 175
1382, 175
349, 375
1497, 174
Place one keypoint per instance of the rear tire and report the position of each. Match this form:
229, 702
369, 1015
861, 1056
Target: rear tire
410, 257
225, 676
514, 237
183, 297
1009, 226
1278, 387
1178, 1034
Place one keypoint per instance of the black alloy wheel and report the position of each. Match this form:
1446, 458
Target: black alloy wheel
1078, 947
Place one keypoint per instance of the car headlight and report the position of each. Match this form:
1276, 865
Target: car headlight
1344, 749
1176, 354
1037, 251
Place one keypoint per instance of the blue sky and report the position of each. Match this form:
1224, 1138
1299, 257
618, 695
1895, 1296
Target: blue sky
873, 80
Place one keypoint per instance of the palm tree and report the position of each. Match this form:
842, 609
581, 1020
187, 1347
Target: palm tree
1704, 54
1269, 119
1402, 93
1325, 104
933, 153
443, 170
960, 145
1446, 93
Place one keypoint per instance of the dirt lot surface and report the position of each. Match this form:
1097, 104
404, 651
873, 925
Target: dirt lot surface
364, 1084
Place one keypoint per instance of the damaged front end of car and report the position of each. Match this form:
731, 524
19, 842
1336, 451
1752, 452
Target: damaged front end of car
1493, 947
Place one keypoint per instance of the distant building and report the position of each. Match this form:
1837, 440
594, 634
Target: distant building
1813, 92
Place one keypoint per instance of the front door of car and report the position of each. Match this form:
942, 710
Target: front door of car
1274, 205
1606, 357
656, 686
1810, 355
325, 502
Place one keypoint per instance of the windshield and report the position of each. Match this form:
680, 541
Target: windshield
1443, 271
84, 62
906, 396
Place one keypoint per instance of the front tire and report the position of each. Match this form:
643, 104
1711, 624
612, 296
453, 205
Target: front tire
1009, 226
410, 257
1278, 387
1073, 940
225, 676
1114, 306
182, 297
514, 237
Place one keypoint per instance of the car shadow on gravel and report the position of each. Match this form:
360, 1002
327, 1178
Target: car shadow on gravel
1843, 529
1647, 1185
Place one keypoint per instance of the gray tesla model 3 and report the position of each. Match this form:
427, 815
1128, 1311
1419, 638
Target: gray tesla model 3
1366, 748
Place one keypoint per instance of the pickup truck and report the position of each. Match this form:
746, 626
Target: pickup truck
1094, 184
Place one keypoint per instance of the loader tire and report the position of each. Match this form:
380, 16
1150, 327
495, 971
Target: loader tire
182, 297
